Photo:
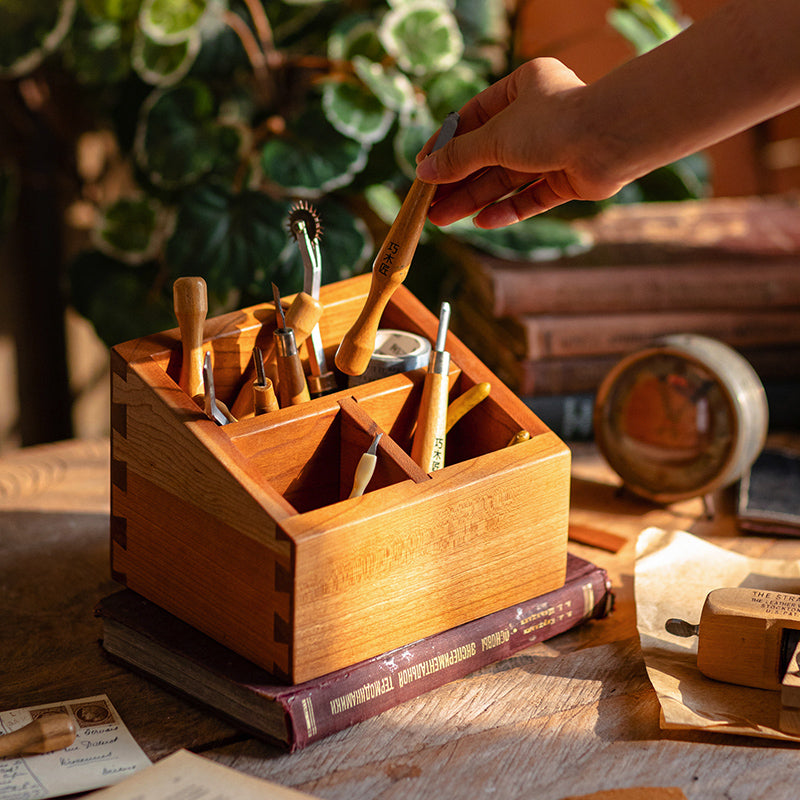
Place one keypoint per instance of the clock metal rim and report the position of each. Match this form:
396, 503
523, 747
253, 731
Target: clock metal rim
740, 387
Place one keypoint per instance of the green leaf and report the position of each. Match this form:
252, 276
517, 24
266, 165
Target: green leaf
29, 31
383, 201
355, 112
423, 36
644, 23
131, 230
390, 86
116, 10
226, 237
171, 21
415, 129
685, 179
177, 138
449, 91
164, 64
356, 35
313, 157
98, 50
483, 20
537, 239
101, 287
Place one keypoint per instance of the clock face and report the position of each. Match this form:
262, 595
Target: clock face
672, 424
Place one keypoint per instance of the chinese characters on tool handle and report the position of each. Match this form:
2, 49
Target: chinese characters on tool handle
390, 267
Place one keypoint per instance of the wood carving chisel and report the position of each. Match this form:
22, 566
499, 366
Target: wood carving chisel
264, 399
305, 227
429, 438
214, 408
44, 735
390, 266
302, 316
292, 386
365, 468
190, 300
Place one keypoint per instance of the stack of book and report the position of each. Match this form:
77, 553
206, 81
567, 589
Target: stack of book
728, 268
146, 638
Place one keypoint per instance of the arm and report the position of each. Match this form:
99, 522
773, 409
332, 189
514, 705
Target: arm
544, 137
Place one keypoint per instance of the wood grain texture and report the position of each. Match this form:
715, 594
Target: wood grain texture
340, 579
388, 272
571, 716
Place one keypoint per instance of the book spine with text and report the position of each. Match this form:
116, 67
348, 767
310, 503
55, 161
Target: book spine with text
147, 639
328, 705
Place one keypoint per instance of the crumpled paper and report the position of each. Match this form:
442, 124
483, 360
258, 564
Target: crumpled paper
674, 572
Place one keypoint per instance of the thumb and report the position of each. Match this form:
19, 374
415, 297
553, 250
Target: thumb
461, 156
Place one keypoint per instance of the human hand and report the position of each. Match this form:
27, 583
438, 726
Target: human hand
522, 147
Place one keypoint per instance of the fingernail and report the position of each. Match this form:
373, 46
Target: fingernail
426, 169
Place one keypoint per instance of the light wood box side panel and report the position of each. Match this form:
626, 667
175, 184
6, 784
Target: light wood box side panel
172, 442
205, 572
376, 572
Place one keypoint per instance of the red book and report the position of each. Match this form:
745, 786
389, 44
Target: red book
146, 638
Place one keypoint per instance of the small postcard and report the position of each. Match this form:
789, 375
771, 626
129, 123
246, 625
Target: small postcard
103, 753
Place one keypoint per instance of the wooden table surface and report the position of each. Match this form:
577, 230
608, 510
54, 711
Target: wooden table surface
570, 716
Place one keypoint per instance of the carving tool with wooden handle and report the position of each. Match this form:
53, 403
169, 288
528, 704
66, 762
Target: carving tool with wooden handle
365, 468
190, 300
429, 438
264, 399
390, 266
292, 386
44, 735
305, 227
302, 315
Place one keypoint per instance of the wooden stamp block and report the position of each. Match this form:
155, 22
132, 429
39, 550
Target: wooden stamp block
246, 531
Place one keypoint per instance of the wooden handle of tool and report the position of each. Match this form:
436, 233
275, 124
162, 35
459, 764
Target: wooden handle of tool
292, 386
302, 316
364, 472
429, 437
388, 272
190, 299
264, 399
43, 735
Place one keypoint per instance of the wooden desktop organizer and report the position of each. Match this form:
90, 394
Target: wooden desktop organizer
246, 531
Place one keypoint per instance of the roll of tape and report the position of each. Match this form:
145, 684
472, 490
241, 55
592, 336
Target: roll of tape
395, 351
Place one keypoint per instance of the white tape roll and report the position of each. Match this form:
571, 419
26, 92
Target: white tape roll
395, 351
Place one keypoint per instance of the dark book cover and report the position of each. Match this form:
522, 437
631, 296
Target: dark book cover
146, 638
769, 494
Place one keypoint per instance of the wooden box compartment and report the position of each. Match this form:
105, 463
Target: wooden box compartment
247, 532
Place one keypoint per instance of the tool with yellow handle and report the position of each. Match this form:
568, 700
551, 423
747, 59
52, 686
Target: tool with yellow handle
190, 300
466, 402
431, 431
43, 735
390, 267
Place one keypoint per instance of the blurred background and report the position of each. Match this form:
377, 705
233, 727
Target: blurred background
141, 140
